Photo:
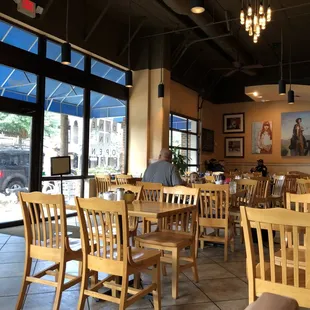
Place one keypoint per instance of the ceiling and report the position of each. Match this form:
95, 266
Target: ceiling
195, 60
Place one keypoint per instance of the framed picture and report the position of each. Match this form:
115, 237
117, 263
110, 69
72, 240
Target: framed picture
262, 137
233, 123
295, 134
207, 140
234, 147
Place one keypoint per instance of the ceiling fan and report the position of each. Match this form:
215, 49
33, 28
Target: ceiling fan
238, 67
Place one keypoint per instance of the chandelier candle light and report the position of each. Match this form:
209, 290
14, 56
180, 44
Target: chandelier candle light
254, 15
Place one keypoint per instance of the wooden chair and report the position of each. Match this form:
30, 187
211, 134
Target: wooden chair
123, 179
46, 239
103, 182
263, 273
150, 192
214, 213
250, 186
180, 194
276, 196
209, 179
303, 186
290, 185
262, 191
175, 233
113, 256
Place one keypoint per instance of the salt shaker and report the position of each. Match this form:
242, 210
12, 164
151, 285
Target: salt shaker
120, 194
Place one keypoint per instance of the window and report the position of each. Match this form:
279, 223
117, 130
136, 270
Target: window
107, 134
17, 37
63, 124
107, 72
17, 84
183, 136
53, 52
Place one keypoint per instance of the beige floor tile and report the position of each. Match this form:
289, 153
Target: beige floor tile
244, 279
237, 256
1, 245
224, 289
146, 278
13, 247
13, 269
104, 305
233, 304
16, 239
209, 271
204, 306
236, 268
10, 286
213, 251
4, 238
8, 303
12, 257
71, 267
188, 294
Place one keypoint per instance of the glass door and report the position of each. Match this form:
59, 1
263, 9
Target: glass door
15, 148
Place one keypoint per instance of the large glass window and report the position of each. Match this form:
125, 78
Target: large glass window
53, 52
107, 140
18, 37
17, 84
63, 124
183, 136
107, 72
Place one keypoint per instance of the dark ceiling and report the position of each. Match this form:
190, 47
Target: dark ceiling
194, 54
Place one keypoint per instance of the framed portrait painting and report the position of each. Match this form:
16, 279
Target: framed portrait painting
262, 137
234, 147
295, 134
233, 123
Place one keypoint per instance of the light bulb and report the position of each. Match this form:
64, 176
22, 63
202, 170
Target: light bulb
247, 24
260, 21
250, 21
242, 14
257, 30
249, 10
255, 20
261, 9
250, 31
269, 14
255, 39
264, 23
242, 21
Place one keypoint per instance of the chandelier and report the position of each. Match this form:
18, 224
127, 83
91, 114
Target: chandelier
254, 16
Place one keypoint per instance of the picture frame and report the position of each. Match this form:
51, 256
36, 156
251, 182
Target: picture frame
233, 123
207, 140
234, 147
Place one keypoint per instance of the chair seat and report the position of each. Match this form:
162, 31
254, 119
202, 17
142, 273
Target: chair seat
290, 258
278, 274
140, 255
167, 239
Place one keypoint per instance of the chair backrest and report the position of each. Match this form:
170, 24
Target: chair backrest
150, 191
104, 231
250, 186
298, 202
210, 179
214, 201
303, 186
257, 174
137, 190
291, 183
262, 188
278, 184
285, 279
123, 179
180, 194
44, 219
102, 183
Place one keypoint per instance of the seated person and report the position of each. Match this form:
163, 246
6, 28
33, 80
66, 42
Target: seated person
194, 178
260, 168
163, 171
219, 166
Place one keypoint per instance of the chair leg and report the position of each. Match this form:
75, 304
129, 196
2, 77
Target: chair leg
202, 244
163, 266
157, 292
194, 267
175, 273
124, 292
136, 280
59, 288
226, 245
25, 284
83, 297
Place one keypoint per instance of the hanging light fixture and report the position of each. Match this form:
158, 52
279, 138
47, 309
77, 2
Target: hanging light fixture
254, 13
128, 73
291, 94
282, 84
66, 47
197, 6
161, 86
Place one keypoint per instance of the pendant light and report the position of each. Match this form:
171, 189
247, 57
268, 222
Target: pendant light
282, 84
66, 47
128, 73
161, 86
290, 94
197, 6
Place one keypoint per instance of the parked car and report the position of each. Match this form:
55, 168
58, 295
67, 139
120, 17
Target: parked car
14, 169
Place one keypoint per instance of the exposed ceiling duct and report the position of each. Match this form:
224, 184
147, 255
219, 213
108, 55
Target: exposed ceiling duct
228, 44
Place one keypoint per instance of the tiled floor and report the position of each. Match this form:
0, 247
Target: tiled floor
221, 286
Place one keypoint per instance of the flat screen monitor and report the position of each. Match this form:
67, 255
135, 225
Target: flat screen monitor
60, 165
